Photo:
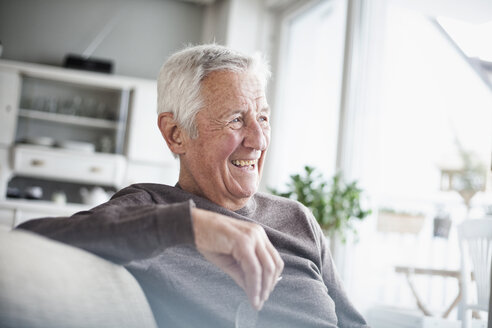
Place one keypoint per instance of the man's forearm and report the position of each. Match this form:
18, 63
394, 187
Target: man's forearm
121, 234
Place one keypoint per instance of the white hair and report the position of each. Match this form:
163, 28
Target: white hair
178, 84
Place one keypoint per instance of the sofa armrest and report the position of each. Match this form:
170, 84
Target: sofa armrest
44, 283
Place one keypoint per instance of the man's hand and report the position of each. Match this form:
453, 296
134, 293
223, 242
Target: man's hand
241, 249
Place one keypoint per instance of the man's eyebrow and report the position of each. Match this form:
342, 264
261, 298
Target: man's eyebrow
235, 111
265, 110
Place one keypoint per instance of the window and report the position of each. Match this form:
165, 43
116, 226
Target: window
305, 117
432, 99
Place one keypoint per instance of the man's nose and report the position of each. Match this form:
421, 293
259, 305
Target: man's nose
255, 136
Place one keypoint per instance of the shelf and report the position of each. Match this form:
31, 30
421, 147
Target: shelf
42, 206
69, 119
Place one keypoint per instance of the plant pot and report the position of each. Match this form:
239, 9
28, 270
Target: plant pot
400, 223
442, 227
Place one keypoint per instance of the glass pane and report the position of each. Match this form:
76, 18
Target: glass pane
74, 116
434, 103
435, 111
473, 39
305, 118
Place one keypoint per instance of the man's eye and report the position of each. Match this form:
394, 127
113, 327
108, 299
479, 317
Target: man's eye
236, 122
263, 120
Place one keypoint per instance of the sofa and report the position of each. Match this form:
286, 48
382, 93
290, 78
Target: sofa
44, 283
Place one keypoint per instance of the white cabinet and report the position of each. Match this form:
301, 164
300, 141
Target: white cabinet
13, 213
9, 99
145, 143
68, 126
68, 110
68, 165
7, 218
138, 172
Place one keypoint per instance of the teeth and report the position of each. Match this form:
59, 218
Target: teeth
243, 162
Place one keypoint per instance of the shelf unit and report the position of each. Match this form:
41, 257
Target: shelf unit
96, 115
66, 107
69, 119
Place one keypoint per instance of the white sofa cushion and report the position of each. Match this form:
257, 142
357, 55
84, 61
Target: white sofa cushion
44, 283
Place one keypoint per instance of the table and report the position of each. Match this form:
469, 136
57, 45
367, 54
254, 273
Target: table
409, 272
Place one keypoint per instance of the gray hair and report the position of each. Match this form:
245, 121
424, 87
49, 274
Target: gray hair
178, 84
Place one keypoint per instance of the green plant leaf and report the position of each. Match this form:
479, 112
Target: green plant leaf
334, 203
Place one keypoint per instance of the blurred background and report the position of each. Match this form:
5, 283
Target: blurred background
395, 94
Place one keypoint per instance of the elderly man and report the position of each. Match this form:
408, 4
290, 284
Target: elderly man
204, 247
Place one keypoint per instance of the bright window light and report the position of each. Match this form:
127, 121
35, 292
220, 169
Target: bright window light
474, 39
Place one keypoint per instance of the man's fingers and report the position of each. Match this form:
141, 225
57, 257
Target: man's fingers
278, 262
248, 261
267, 265
268, 270
241, 249
272, 267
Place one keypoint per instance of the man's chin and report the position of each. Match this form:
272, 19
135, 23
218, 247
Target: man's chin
246, 190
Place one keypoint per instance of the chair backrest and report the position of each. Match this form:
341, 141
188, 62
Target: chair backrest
475, 236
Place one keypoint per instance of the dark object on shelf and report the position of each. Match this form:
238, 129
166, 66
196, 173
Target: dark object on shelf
19, 185
13, 192
88, 64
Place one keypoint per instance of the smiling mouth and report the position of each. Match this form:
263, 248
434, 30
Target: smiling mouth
248, 164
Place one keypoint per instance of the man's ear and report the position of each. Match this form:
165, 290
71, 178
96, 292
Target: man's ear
172, 133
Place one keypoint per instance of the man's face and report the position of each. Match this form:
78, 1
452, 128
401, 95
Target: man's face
224, 163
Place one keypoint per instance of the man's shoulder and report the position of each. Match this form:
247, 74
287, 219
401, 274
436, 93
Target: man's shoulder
294, 217
152, 192
144, 188
152, 187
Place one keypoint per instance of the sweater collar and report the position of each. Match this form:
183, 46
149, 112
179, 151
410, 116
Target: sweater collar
247, 210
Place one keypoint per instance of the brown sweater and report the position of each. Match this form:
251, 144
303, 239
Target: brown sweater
147, 228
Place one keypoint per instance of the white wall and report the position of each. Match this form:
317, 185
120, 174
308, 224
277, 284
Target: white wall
215, 22
244, 25
149, 30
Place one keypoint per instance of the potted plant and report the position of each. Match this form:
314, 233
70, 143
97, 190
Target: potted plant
335, 204
467, 175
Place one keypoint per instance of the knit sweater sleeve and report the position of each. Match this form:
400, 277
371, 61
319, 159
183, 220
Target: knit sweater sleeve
132, 225
347, 315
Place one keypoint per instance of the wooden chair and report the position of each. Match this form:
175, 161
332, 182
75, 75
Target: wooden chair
475, 238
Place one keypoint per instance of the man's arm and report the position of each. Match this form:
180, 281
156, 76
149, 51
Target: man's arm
130, 226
